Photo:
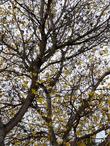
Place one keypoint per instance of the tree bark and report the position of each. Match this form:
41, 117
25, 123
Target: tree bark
2, 142
2, 133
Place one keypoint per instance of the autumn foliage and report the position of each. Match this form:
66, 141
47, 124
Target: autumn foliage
54, 72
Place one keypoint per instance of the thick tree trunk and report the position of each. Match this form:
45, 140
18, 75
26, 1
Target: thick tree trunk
2, 133
2, 136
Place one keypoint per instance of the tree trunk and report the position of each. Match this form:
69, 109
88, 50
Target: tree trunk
2, 133
2, 136
2, 142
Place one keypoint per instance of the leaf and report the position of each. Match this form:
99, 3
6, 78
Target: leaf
109, 102
33, 91
17, 143
2, 11
91, 94
67, 144
40, 100
35, 144
81, 144
25, 84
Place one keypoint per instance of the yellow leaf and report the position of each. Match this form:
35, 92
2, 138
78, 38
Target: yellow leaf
81, 144
40, 100
44, 145
2, 11
35, 144
78, 133
17, 143
25, 84
109, 102
67, 144
91, 94
67, 72
41, 81
33, 91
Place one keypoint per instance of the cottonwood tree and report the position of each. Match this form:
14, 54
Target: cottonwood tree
54, 71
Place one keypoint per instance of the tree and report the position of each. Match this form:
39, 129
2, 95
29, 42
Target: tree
53, 71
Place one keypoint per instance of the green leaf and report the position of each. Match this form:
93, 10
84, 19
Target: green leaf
40, 100
33, 91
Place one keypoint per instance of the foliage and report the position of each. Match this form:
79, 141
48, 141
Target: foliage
54, 71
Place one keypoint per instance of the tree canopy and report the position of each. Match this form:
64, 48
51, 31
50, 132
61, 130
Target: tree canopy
54, 72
